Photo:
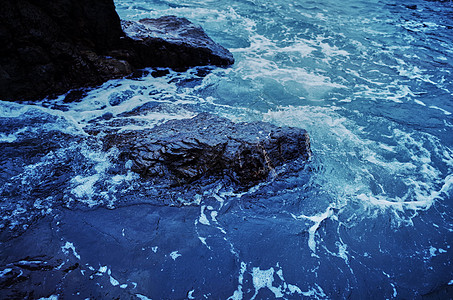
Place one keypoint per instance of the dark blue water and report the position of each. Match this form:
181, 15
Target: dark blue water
371, 216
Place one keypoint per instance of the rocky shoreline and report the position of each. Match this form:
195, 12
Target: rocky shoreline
52, 47
62, 180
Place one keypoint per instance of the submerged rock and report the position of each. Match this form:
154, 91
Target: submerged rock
50, 47
185, 150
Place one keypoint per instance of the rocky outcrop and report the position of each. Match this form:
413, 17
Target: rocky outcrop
182, 151
50, 47
173, 42
46, 161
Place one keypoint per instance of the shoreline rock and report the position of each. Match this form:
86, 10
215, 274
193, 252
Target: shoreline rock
182, 151
173, 42
51, 47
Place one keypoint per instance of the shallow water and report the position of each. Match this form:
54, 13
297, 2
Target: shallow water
369, 217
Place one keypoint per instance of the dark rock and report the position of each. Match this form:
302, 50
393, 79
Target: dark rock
185, 150
36, 164
160, 73
202, 72
174, 42
117, 98
50, 47
75, 96
138, 74
107, 116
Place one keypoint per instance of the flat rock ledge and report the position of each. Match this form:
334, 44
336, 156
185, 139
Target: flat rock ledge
181, 151
51, 47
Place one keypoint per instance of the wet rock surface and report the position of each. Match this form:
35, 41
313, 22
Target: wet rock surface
182, 151
174, 42
61, 235
81, 255
47, 163
51, 47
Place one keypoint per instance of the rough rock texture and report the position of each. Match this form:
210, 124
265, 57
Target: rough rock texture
185, 150
50, 47
173, 42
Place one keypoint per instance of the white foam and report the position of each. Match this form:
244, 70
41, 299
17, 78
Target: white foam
317, 219
203, 219
174, 255
300, 47
330, 51
410, 164
206, 15
214, 215
294, 289
316, 84
265, 279
5, 271
85, 187
446, 112
238, 294
342, 251
142, 297
316, 292
52, 297
203, 241
12, 109
113, 281
70, 246
12, 137
31, 262
19, 111
432, 251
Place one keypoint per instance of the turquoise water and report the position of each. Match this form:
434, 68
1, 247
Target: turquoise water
372, 83
370, 78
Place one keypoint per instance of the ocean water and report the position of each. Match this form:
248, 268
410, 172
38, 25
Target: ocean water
369, 217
